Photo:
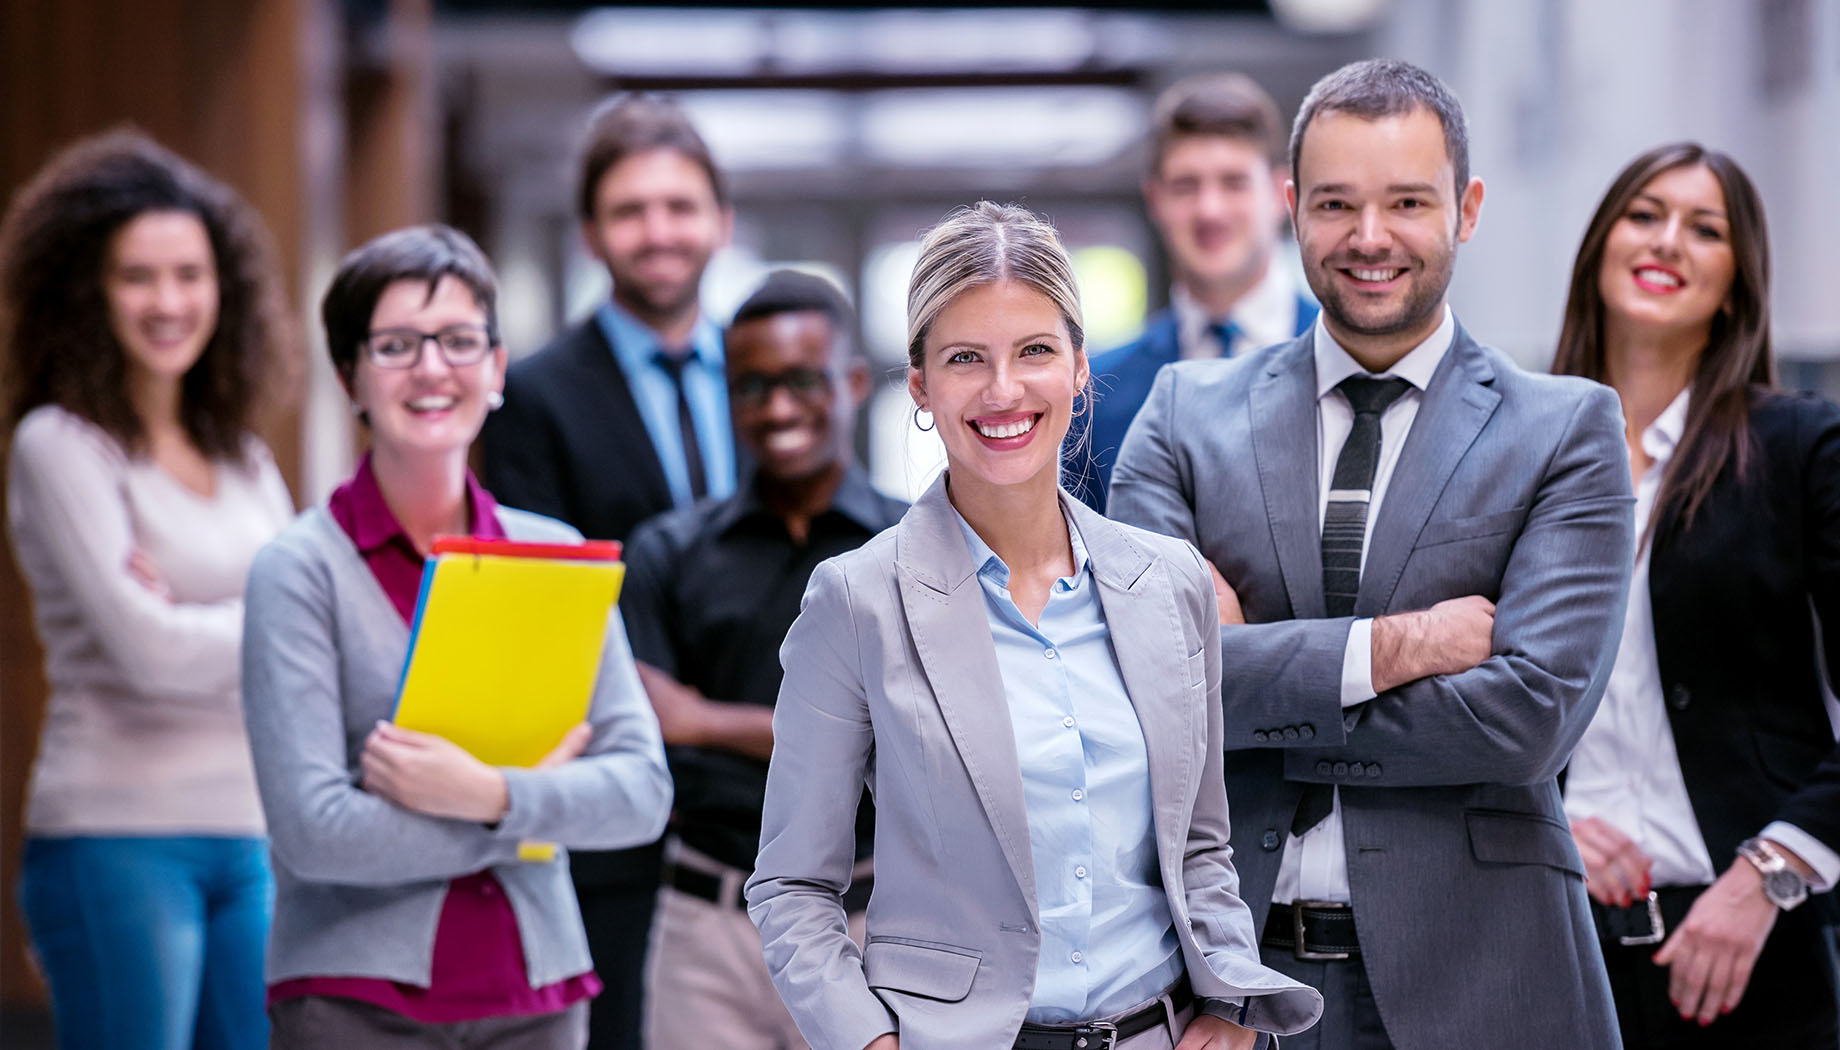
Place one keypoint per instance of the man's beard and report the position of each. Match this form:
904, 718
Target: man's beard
1422, 302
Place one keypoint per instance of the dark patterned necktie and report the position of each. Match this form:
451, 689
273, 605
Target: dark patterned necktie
1344, 531
673, 366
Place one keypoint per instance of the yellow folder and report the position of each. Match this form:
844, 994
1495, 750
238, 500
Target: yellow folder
506, 646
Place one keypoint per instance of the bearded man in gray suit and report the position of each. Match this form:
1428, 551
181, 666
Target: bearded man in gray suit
1422, 556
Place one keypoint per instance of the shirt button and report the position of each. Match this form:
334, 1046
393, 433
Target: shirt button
1068, 721
1078, 795
1079, 872
1049, 653
1077, 957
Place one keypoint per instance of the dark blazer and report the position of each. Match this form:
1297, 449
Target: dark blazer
1467, 887
1121, 382
570, 443
1732, 593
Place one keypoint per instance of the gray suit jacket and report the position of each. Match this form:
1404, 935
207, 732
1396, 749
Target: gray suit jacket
1468, 892
892, 679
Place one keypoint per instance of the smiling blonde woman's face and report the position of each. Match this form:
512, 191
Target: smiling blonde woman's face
999, 375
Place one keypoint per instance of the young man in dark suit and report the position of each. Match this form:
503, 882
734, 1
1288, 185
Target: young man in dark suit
1215, 191
620, 417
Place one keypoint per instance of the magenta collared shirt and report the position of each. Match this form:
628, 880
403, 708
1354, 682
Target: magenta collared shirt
478, 964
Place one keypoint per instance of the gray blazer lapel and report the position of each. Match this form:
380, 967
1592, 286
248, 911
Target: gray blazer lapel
1457, 404
1140, 611
1284, 446
950, 625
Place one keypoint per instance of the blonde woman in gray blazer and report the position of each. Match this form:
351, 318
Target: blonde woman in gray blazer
1031, 691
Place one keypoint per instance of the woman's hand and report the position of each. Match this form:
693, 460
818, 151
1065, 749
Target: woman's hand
1207, 1032
1710, 955
431, 775
1616, 870
147, 574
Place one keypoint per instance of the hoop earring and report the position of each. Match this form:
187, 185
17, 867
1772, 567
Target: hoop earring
931, 423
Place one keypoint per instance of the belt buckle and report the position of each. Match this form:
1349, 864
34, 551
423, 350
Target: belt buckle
1299, 949
1106, 1031
1656, 931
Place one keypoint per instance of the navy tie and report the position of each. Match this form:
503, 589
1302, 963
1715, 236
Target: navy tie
673, 366
1226, 332
1344, 531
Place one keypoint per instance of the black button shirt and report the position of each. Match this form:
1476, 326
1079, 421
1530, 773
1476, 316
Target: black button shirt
710, 592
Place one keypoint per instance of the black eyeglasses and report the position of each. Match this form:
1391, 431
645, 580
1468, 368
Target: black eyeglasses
461, 345
754, 389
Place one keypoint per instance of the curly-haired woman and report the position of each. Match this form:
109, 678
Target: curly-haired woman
141, 316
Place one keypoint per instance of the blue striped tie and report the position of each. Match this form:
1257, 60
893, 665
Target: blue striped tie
1344, 531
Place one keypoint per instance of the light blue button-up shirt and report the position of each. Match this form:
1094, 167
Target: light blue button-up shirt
635, 347
1108, 942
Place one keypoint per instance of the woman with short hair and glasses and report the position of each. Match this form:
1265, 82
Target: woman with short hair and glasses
141, 317
403, 911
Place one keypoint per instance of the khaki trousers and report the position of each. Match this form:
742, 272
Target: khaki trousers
706, 982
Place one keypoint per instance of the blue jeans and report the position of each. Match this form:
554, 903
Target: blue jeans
150, 941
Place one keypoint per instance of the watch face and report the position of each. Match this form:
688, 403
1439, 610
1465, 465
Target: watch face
1785, 888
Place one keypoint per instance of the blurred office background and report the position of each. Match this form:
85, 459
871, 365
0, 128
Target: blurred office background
847, 130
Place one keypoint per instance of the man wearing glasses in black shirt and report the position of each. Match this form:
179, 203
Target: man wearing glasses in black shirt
710, 593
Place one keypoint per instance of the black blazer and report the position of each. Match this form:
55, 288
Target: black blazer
569, 441
1732, 597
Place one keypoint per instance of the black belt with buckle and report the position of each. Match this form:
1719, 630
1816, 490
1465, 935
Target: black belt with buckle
1646, 921
1103, 1035
706, 886
1312, 930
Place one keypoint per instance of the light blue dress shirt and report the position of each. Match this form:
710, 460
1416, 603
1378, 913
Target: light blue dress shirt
635, 347
1108, 942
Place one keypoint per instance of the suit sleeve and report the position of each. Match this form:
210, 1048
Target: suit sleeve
1284, 673
519, 451
821, 757
1514, 718
1815, 806
1219, 918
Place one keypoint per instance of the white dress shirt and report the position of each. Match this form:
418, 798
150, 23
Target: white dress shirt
1315, 865
1266, 314
1626, 769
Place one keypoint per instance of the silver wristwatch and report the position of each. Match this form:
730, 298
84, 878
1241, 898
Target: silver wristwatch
1783, 885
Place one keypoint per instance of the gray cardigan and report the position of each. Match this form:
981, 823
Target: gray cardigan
359, 882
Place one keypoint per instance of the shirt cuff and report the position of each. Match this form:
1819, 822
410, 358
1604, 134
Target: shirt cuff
1824, 861
1358, 664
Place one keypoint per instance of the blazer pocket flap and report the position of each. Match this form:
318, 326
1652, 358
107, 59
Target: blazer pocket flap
1501, 837
1449, 530
931, 971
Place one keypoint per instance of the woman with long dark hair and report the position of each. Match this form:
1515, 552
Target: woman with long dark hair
1705, 797
141, 318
